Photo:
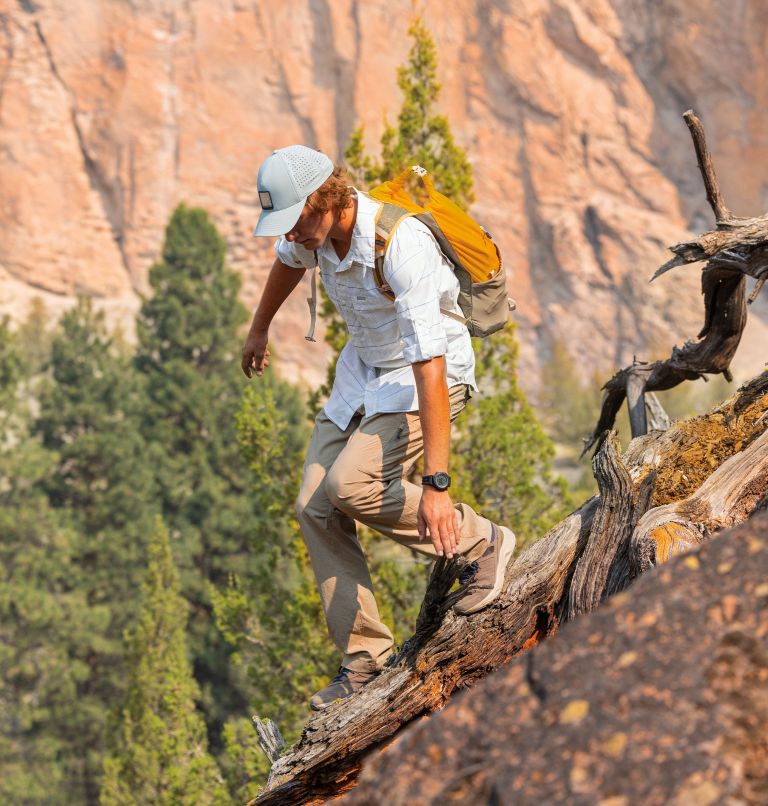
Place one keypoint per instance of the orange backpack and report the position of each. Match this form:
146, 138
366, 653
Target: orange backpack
469, 249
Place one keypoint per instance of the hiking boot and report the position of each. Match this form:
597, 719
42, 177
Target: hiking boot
346, 682
484, 578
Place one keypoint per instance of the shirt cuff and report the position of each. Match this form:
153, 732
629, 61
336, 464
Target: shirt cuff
416, 350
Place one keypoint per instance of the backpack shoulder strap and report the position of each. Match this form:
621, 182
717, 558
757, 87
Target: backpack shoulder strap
387, 219
388, 216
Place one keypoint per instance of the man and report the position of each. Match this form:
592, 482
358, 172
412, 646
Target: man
404, 375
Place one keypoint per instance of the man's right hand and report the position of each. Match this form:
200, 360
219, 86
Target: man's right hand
255, 354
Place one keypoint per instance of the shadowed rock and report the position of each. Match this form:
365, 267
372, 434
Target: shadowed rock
660, 696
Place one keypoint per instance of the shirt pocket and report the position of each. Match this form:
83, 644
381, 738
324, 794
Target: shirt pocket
361, 305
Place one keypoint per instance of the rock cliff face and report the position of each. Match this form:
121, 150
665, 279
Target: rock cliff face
113, 111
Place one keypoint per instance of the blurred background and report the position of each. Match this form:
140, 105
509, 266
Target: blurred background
146, 490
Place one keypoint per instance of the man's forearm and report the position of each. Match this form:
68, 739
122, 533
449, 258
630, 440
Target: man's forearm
281, 281
434, 413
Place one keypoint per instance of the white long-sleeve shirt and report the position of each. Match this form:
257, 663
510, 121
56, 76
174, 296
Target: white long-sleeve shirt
387, 336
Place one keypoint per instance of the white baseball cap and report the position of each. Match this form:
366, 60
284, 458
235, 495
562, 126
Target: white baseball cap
286, 178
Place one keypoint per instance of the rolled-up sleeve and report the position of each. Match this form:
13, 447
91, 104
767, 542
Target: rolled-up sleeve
411, 268
293, 254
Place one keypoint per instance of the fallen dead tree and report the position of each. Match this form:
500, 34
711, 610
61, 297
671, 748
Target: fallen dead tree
736, 249
597, 550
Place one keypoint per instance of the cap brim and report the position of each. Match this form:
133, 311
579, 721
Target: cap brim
278, 222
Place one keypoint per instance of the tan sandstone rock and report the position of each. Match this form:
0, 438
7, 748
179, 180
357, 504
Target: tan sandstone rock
113, 112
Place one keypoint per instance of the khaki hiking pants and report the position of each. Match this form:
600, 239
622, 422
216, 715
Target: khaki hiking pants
361, 474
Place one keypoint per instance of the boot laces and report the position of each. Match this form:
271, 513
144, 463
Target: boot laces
341, 676
469, 573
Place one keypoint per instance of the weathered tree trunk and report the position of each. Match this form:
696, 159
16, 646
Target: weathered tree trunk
737, 249
587, 556
725, 499
620, 505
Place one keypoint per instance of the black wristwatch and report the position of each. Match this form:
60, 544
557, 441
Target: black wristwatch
440, 481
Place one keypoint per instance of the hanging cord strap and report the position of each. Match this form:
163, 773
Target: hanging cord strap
312, 301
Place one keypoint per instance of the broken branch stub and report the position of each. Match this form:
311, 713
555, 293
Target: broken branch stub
270, 739
706, 167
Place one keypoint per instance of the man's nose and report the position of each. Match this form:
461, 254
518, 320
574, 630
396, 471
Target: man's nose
291, 236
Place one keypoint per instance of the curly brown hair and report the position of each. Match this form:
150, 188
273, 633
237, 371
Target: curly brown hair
334, 194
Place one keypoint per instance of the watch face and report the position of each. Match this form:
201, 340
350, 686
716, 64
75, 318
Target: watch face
442, 481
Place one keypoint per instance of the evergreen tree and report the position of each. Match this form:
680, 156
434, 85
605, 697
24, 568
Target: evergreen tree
421, 137
188, 355
80, 496
48, 630
33, 336
160, 753
88, 416
188, 337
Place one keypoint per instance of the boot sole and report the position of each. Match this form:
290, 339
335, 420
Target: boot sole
323, 706
507, 549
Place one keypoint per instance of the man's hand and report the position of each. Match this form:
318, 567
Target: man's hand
438, 519
255, 353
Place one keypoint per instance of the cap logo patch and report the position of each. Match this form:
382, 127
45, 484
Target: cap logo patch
265, 197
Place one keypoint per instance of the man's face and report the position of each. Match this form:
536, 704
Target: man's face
311, 229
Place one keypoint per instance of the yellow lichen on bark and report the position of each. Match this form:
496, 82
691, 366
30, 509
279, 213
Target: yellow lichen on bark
672, 539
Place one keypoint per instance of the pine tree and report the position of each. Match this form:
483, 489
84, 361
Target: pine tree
81, 495
422, 137
48, 630
188, 355
33, 336
89, 407
160, 753
188, 337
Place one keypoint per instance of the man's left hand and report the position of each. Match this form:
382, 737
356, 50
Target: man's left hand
439, 520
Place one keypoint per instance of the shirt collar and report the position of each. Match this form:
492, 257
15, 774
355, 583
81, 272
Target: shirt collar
361, 249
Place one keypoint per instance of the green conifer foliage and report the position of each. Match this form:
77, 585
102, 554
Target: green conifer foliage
49, 632
88, 416
188, 333
274, 619
34, 335
87, 481
422, 137
160, 753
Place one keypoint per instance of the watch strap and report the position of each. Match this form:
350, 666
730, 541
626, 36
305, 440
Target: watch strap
430, 481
